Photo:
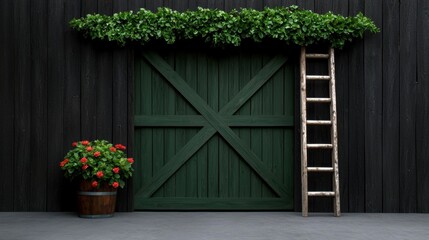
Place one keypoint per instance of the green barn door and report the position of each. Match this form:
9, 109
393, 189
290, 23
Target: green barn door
213, 130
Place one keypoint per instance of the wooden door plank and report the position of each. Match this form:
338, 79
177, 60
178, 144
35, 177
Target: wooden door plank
244, 133
279, 106
191, 168
170, 133
267, 133
145, 165
202, 157
256, 133
234, 159
213, 144
181, 134
157, 91
223, 146
289, 135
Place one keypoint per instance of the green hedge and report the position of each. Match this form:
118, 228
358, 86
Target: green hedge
290, 25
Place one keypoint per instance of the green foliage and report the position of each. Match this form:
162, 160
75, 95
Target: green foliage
98, 161
290, 25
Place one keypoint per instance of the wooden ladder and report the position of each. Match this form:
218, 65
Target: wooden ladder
333, 145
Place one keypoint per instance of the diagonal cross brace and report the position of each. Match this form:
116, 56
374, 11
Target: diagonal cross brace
217, 124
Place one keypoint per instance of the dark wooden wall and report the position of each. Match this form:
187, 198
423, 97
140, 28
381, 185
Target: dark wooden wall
56, 88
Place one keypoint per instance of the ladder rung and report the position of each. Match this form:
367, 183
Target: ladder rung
318, 77
321, 194
317, 55
319, 145
319, 122
320, 169
323, 100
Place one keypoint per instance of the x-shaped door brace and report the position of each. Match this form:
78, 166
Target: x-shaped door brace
217, 124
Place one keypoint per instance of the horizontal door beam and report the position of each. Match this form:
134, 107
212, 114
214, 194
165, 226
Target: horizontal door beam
200, 121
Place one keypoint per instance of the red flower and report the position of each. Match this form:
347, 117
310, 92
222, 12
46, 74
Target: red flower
74, 144
115, 170
84, 167
131, 160
83, 160
85, 142
112, 149
64, 162
100, 174
115, 185
120, 147
94, 184
97, 154
89, 149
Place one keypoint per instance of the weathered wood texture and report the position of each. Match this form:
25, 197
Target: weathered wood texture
56, 87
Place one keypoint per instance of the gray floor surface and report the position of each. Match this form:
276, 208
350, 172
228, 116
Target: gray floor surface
213, 225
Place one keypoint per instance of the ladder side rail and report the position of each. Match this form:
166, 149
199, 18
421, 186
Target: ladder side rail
303, 87
334, 134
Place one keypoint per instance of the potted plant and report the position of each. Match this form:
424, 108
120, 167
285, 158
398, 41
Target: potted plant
100, 169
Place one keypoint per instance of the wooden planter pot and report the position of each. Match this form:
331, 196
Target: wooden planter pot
96, 202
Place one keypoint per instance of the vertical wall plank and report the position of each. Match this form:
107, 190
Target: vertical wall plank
255, 4
288, 3
88, 80
422, 136
22, 106
306, 4
342, 85
390, 105
130, 122
39, 96
407, 73
373, 111
104, 93
356, 121
120, 103
72, 76
217, 4
56, 199
72, 85
7, 104
135, 5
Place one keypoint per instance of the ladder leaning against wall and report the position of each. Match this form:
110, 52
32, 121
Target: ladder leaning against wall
333, 145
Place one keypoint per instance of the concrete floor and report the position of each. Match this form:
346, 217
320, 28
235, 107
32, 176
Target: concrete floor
213, 225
